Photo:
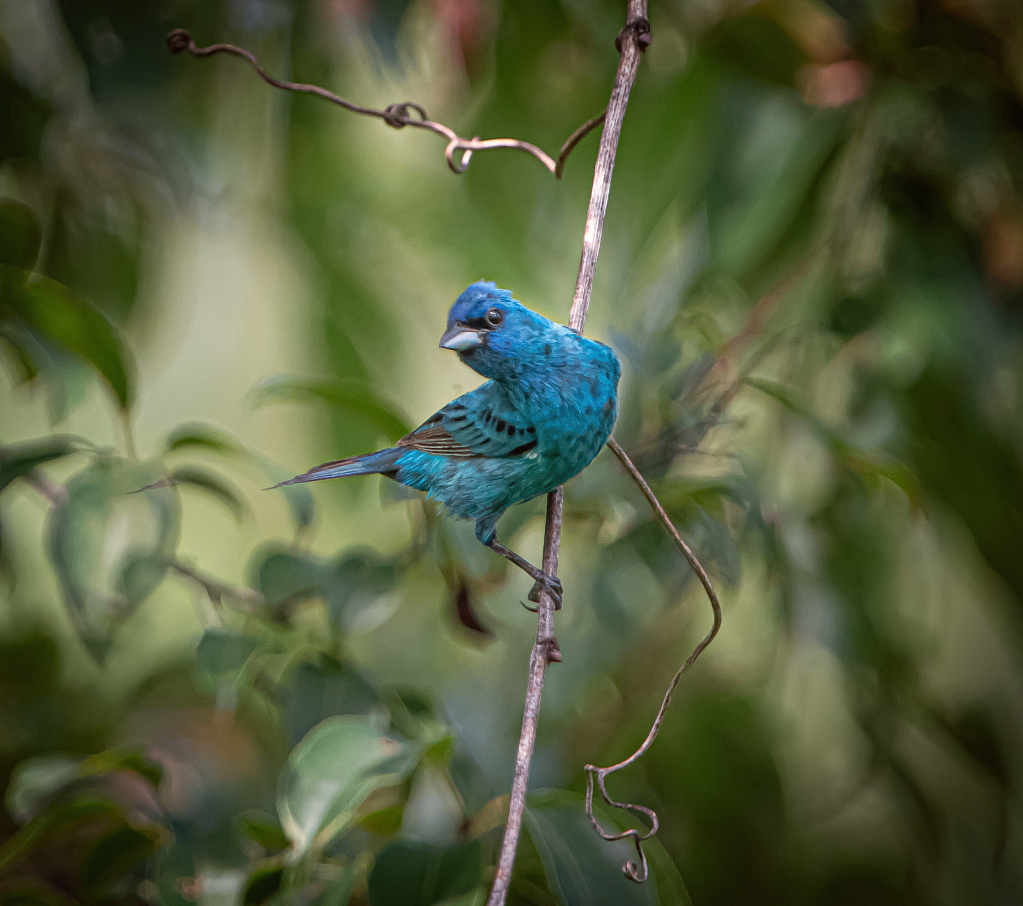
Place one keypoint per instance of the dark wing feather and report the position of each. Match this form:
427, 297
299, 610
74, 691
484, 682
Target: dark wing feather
434, 438
470, 428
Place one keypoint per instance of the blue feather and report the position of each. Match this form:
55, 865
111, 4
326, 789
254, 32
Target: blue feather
545, 413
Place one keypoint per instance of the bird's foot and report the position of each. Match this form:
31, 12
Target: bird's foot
550, 584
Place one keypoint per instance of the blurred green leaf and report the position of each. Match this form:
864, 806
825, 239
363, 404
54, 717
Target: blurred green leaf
37, 781
216, 486
262, 829
121, 759
17, 460
756, 44
222, 653
287, 576
407, 873
78, 326
332, 772
327, 687
199, 436
34, 782
54, 820
20, 343
20, 234
121, 853
348, 397
356, 580
582, 869
111, 546
263, 883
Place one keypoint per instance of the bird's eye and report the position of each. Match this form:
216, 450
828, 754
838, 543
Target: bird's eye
494, 317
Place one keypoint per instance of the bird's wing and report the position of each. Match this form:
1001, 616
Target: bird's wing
478, 425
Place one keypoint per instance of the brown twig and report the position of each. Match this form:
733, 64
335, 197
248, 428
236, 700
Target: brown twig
459, 150
632, 41
633, 870
216, 590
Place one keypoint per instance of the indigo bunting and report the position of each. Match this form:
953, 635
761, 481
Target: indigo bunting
548, 407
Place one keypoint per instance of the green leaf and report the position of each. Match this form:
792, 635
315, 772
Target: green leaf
222, 654
17, 460
21, 344
36, 781
283, 575
111, 545
20, 234
349, 397
332, 772
198, 436
121, 852
422, 874
358, 579
261, 829
312, 692
123, 760
78, 326
54, 819
214, 485
263, 883
582, 869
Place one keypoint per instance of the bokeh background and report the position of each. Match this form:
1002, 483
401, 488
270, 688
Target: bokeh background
812, 271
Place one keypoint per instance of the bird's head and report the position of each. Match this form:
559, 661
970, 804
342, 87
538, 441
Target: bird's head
493, 334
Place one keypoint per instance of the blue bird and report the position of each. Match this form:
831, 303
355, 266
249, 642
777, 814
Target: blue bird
545, 413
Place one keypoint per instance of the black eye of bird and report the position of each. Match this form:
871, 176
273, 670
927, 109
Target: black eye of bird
494, 317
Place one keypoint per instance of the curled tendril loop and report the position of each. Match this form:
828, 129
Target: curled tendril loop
634, 871
398, 115
459, 150
638, 871
455, 146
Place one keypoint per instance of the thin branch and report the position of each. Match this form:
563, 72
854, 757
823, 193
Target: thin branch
216, 590
459, 150
633, 870
632, 41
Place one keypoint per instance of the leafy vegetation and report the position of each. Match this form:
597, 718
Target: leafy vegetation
813, 272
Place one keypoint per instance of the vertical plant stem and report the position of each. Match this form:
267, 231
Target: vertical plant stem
633, 40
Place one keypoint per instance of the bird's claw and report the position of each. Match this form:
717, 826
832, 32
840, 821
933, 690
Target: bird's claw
552, 585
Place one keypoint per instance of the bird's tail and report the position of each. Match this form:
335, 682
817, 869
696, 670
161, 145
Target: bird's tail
382, 462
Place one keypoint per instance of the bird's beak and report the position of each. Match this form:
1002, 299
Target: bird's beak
460, 338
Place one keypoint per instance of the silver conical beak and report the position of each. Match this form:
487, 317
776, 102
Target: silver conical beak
460, 338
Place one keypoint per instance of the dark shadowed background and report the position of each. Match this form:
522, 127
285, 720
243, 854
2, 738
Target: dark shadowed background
812, 271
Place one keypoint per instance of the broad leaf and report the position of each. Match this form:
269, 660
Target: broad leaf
214, 485
423, 874
37, 781
582, 869
221, 655
111, 546
349, 397
78, 326
17, 460
198, 436
332, 772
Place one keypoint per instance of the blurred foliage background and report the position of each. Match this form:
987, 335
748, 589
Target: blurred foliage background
812, 270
